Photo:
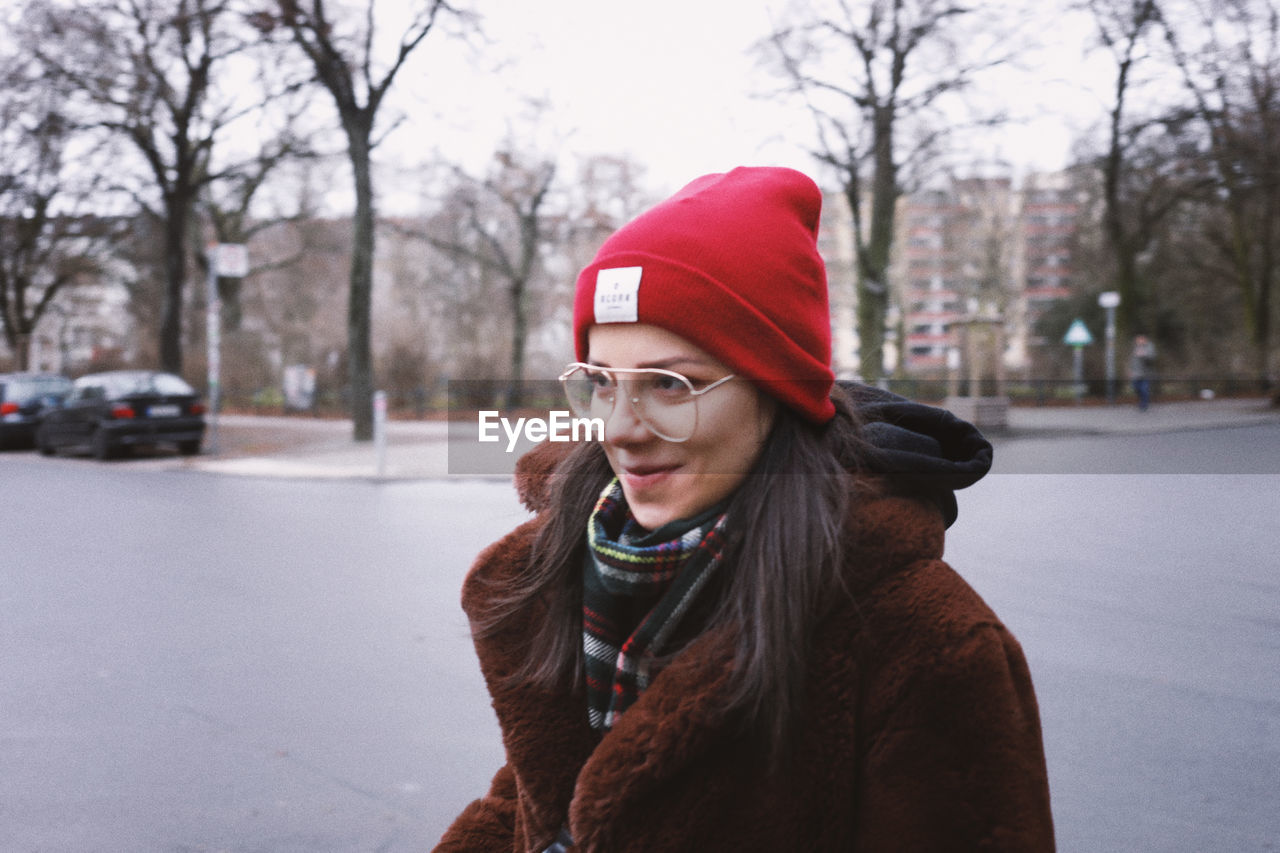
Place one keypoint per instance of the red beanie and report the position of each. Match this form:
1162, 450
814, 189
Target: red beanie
730, 263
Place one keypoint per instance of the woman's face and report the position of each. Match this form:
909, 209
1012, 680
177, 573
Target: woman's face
665, 481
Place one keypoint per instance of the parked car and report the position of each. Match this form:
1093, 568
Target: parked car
108, 413
23, 399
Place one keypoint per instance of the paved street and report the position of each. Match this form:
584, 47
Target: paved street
1149, 609
203, 663
200, 662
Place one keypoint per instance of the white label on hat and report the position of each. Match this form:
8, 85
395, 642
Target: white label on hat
618, 295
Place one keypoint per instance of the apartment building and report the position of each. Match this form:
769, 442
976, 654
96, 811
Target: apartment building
981, 245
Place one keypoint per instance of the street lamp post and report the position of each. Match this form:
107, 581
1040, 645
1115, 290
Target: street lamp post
1109, 300
226, 260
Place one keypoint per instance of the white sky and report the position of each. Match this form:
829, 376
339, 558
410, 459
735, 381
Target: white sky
673, 84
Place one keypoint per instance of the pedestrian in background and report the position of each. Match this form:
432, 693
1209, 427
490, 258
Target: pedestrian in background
1141, 362
729, 626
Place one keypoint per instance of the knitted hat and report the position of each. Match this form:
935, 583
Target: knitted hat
731, 264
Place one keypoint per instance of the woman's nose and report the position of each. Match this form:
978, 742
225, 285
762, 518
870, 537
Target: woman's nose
623, 426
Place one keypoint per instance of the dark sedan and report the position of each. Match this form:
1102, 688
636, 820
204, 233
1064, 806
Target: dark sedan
108, 413
23, 399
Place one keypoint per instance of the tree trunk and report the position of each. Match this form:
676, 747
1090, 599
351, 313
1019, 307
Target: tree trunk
872, 307
1125, 282
873, 266
1266, 281
22, 350
519, 333
359, 305
1122, 247
1262, 329
175, 261
1130, 312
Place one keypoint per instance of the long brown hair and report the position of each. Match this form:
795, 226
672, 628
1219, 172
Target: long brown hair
782, 562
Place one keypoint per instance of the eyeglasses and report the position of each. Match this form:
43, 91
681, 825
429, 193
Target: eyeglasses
663, 400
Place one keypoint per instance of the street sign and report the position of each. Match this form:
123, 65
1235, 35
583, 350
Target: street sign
1078, 335
231, 260
1109, 299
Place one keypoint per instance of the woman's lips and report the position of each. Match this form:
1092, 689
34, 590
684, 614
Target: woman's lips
646, 476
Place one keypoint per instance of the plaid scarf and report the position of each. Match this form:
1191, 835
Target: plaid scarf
637, 587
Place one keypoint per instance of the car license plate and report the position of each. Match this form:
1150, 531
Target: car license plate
169, 410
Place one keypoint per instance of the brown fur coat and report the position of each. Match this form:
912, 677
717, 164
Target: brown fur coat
921, 733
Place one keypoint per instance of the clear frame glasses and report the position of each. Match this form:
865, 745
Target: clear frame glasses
664, 401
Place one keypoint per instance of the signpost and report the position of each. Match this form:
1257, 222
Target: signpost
226, 260
1078, 337
1109, 301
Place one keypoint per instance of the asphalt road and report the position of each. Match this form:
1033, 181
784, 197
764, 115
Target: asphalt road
194, 662
203, 663
1149, 609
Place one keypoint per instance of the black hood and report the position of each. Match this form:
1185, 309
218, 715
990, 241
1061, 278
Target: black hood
923, 449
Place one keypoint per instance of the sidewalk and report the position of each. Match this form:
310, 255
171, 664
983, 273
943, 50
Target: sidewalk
1050, 421
305, 448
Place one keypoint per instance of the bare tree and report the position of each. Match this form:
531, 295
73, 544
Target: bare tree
345, 66
154, 71
607, 192
506, 231
903, 58
464, 335
1122, 27
1229, 55
293, 295
49, 239
229, 205
1143, 180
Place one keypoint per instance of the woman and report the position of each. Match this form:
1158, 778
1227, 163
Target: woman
728, 626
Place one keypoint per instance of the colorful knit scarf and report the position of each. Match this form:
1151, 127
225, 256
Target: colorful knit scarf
637, 587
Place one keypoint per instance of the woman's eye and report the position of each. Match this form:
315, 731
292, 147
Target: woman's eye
669, 388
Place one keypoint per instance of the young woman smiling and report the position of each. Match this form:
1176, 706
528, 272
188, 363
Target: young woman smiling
729, 626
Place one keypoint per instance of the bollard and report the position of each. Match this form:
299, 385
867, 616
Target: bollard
213, 326
380, 430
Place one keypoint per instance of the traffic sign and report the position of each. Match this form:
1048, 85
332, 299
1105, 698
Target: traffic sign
1078, 335
231, 260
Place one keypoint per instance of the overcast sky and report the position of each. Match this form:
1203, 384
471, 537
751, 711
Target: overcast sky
673, 84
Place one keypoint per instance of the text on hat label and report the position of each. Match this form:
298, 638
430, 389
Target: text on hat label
618, 295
